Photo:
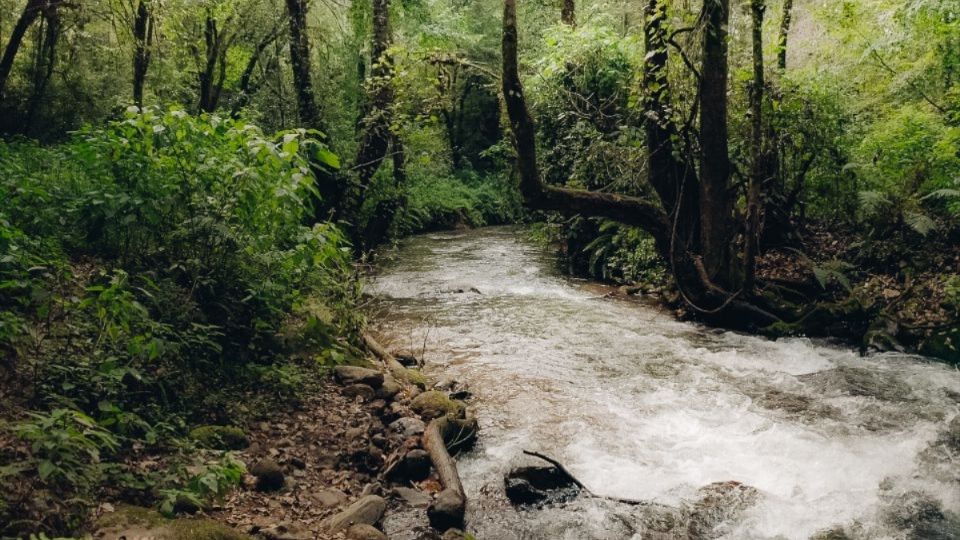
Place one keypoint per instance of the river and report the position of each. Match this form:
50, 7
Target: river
640, 406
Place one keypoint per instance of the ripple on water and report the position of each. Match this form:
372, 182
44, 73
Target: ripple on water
641, 406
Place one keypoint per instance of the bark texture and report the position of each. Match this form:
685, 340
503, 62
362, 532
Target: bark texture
27, 17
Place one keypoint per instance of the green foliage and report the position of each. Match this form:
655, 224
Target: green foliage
66, 447
624, 254
464, 200
211, 482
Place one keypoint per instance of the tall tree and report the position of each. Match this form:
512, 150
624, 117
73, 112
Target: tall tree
666, 218
46, 58
300, 62
568, 13
715, 204
757, 169
785, 21
143, 31
27, 17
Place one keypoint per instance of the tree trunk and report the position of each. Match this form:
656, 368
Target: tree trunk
27, 18
784, 33
142, 37
375, 138
246, 78
300, 62
568, 14
211, 39
716, 212
757, 170
46, 60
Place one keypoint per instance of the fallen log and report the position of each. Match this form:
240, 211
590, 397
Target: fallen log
383, 354
448, 509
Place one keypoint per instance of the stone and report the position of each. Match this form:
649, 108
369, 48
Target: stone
538, 484
284, 531
347, 375
330, 498
389, 388
365, 392
298, 463
363, 531
269, 475
365, 510
414, 466
408, 426
434, 404
446, 511
454, 534
413, 497
720, 506
220, 437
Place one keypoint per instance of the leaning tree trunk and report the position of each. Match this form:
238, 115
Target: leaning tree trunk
46, 60
245, 87
27, 18
757, 170
142, 37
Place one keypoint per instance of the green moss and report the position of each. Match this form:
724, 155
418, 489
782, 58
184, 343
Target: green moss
220, 437
411, 376
202, 529
126, 515
434, 404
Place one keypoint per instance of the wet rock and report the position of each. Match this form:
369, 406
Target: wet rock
330, 498
220, 437
446, 511
538, 484
454, 534
347, 375
951, 437
835, 533
434, 404
414, 466
859, 382
412, 497
407, 359
364, 532
920, 516
408, 427
269, 475
719, 507
365, 392
366, 510
459, 434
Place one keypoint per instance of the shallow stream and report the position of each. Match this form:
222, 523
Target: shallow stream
639, 406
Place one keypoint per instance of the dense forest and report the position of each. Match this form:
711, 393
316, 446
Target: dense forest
191, 193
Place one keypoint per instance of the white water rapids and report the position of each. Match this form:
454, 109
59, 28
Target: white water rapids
639, 406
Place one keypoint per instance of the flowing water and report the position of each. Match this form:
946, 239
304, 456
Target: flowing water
639, 406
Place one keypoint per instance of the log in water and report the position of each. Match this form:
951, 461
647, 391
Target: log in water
726, 435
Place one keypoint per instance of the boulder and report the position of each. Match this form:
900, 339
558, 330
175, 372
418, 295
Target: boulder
388, 389
408, 426
538, 484
220, 437
363, 531
330, 498
347, 375
269, 475
367, 510
434, 404
446, 511
365, 392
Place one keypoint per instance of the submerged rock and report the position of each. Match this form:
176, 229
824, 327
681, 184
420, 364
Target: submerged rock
856, 381
720, 505
538, 484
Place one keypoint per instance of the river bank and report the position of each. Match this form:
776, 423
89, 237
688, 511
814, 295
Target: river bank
641, 406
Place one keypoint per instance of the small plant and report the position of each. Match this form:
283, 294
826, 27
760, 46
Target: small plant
66, 446
212, 482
